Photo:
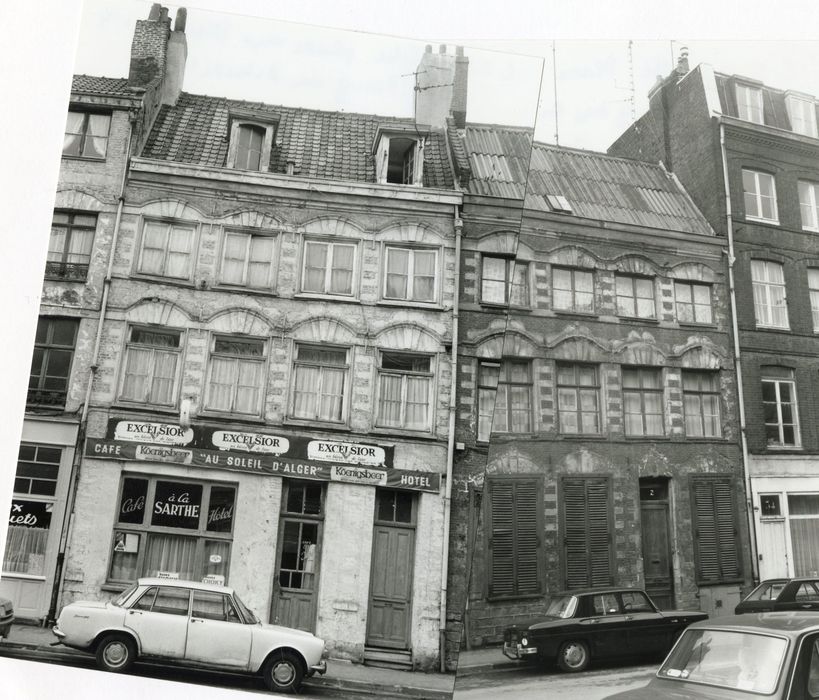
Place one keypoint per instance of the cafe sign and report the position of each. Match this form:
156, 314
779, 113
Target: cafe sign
155, 433
346, 452
250, 442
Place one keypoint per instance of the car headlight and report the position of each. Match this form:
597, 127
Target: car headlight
524, 642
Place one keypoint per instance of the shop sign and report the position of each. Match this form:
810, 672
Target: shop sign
272, 465
153, 453
31, 514
220, 510
132, 502
215, 579
346, 452
156, 433
250, 442
177, 504
174, 575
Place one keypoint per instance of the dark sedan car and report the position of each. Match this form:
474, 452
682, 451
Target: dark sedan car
781, 594
601, 624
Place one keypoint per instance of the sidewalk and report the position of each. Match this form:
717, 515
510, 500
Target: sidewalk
342, 675
483, 660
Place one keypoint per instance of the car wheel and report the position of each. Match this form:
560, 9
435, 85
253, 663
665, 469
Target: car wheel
116, 653
573, 656
283, 672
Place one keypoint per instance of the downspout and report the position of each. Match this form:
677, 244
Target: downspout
749, 499
450, 447
74, 478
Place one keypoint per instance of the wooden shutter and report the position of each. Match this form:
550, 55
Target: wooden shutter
514, 538
587, 539
715, 531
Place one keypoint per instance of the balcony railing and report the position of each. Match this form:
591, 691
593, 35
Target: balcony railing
66, 270
41, 397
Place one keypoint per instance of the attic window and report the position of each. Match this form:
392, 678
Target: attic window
749, 104
251, 141
558, 202
802, 113
399, 159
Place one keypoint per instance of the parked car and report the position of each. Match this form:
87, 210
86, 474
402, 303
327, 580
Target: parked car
772, 655
597, 624
194, 624
6, 616
781, 594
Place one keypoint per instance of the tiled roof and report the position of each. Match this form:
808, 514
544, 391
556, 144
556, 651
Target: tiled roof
602, 187
103, 86
327, 145
775, 113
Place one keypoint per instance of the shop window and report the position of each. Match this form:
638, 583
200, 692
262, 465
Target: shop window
167, 250
586, 530
572, 290
749, 104
152, 358
300, 540
35, 485
54, 344
69, 247
715, 531
692, 302
701, 403
514, 549
173, 529
809, 205
779, 407
410, 274
320, 383
86, 135
248, 260
504, 397
504, 281
770, 301
803, 516
329, 268
404, 391
760, 196
643, 401
635, 296
578, 399
236, 376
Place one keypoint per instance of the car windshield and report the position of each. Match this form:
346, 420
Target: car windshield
122, 597
562, 606
728, 659
767, 590
246, 611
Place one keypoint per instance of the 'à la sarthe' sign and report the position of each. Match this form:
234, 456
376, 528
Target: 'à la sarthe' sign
172, 436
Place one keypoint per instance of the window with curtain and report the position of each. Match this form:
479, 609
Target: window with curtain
760, 196
635, 296
504, 281
410, 274
86, 134
716, 537
809, 205
320, 383
504, 397
178, 529
236, 375
247, 260
643, 401
701, 403
69, 247
802, 114
813, 288
151, 362
328, 268
692, 302
770, 300
779, 407
404, 391
803, 517
749, 104
35, 485
572, 290
167, 250
51, 361
578, 399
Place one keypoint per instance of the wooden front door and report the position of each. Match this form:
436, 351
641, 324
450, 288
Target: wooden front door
657, 568
295, 587
390, 607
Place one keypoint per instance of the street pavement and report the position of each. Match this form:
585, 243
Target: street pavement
343, 679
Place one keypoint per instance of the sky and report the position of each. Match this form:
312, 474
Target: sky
299, 64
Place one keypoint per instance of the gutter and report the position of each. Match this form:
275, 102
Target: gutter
450, 446
74, 478
749, 498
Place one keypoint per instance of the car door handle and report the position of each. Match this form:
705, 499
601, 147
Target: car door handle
196, 619
135, 612
806, 606
629, 617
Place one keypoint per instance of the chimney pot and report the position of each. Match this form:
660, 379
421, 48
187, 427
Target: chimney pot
163, 14
442, 48
181, 20
156, 10
429, 48
459, 50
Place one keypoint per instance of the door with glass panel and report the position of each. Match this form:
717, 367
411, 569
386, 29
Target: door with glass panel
803, 510
298, 555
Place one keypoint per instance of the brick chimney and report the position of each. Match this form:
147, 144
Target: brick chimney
440, 87
158, 55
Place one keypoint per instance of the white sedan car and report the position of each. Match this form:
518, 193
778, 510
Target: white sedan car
195, 624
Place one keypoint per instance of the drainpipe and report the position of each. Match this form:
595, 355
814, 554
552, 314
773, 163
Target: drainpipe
450, 446
749, 498
74, 479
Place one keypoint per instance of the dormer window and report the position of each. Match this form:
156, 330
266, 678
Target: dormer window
399, 159
251, 141
749, 104
802, 113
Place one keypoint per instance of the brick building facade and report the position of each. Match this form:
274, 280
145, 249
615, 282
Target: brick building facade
749, 156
